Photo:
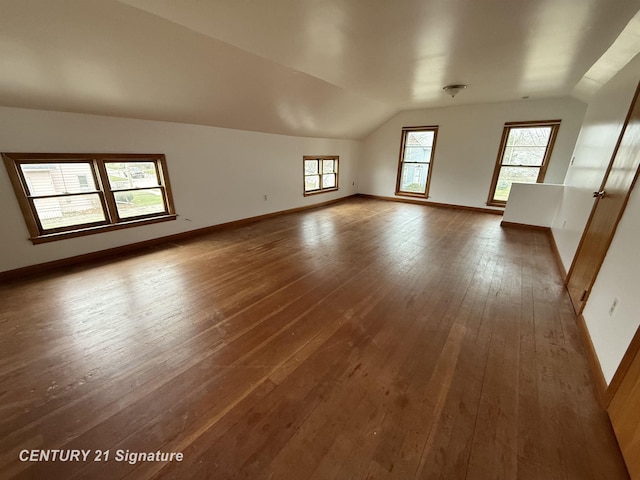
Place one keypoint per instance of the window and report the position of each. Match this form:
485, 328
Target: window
524, 154
416, 156
67, 195
83, 182
320, 174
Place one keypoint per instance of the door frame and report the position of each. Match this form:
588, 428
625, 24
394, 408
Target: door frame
632, 350
579, 308
608, 391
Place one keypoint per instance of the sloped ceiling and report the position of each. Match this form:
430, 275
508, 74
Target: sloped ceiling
324, 68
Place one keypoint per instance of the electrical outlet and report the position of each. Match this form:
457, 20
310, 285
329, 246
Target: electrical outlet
614, 305
265, 198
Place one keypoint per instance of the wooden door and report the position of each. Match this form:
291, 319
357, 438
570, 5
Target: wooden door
608, 207
624, 412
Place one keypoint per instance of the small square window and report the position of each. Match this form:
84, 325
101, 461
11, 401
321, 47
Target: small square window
320, 174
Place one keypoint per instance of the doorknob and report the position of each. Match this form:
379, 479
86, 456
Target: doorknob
601, 194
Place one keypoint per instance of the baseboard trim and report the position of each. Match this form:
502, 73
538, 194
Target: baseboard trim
524, 226
599, 382
432, 204
42, 268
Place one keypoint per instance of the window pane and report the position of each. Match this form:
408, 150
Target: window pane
414, 177
123, 175
529, 136
526, 146
526, 155
58, 178
328, 166
417, 154
508, 175
310, 167
139, 202
417, 147
311, 182
329, 181
420, 138
67, 211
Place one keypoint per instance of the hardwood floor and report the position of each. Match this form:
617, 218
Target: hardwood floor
365, 340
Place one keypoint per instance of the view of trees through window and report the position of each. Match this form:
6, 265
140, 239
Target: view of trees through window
523, 157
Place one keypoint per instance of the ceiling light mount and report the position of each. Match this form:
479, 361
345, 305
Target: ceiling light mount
454, 89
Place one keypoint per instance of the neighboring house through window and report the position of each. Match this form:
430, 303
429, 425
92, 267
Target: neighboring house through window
64, 195
416, 160
524, 155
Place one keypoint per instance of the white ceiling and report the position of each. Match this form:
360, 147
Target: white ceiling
335, 68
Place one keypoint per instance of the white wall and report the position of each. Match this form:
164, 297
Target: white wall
618, 277
533, 204
467, 147
217, 175
603, 123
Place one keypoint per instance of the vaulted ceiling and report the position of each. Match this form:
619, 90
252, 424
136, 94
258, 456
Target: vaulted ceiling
324, 68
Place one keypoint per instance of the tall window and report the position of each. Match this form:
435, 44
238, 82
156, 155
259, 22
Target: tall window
416, 158
320, 174
524, 154
65, 195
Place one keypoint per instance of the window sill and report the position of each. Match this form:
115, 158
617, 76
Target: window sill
496, 204
410, 194
52, 237
316, 192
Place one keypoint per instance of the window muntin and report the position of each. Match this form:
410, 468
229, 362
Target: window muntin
320, 174
525, 150
416, 157
64, 195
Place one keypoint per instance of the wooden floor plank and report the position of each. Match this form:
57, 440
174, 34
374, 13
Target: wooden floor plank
366, 339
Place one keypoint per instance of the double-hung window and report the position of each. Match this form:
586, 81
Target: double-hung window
416, 160
524, 155
65, 195
320, 174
